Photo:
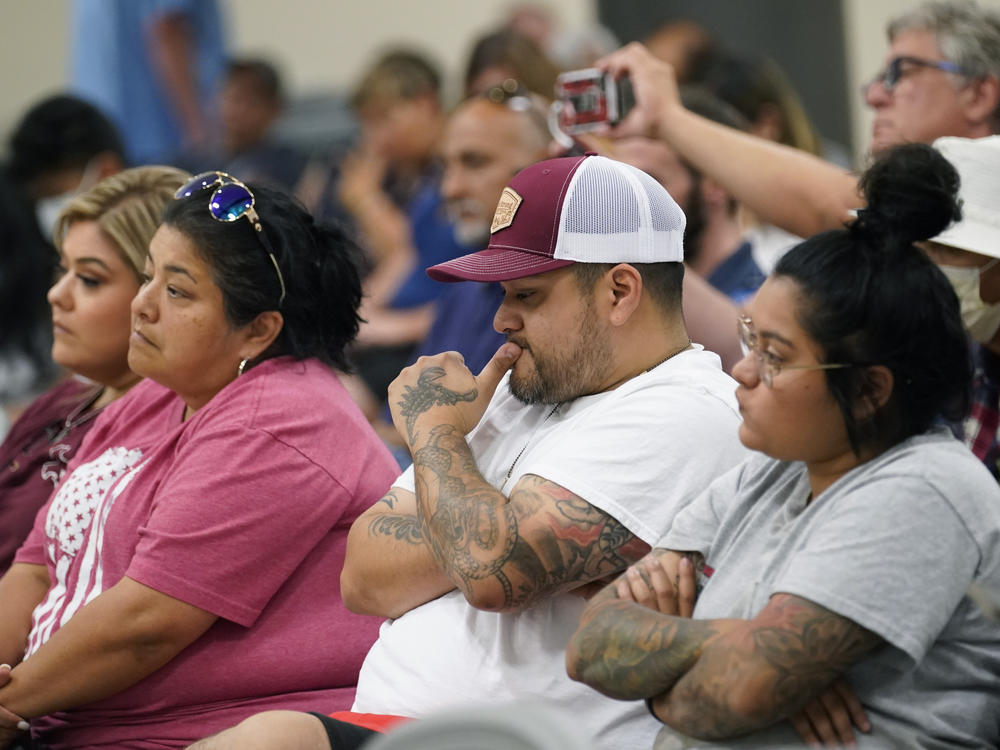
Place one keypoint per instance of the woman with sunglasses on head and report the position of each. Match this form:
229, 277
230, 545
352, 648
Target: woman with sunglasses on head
195, 545
834, 566
102, 236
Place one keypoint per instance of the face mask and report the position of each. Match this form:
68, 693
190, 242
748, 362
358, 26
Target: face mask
47, 210
981, 319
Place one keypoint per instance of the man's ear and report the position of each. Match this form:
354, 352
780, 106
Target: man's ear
982, 99
261, 333
624, 282
875, 392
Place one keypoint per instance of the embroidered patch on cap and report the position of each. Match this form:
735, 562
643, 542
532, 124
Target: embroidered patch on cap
510, 201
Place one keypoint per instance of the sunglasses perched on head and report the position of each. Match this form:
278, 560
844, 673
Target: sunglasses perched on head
232, 200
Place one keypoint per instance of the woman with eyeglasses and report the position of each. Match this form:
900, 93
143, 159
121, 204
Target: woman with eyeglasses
833, 567
101, 236
185, 574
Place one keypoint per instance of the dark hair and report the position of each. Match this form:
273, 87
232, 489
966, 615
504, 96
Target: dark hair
662, 281
262, 74
28, 265
397, 75
318, 261
61, 132
870, 297
755, 84
509, 49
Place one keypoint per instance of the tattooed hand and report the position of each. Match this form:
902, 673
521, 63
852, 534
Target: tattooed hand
441, 388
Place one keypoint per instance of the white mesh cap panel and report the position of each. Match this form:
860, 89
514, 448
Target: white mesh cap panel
615, 213
604, 186
666, 214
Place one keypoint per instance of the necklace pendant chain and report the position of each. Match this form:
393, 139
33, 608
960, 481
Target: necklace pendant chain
524, 447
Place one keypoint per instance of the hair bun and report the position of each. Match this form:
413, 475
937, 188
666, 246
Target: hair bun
912, 195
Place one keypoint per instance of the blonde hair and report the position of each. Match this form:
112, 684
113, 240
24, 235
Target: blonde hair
127, 207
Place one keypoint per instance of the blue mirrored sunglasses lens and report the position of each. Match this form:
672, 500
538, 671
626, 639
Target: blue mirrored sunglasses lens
197, 184
230, 202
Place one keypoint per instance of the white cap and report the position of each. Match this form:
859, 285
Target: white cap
978, 163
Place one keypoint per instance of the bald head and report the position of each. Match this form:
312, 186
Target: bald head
485, 144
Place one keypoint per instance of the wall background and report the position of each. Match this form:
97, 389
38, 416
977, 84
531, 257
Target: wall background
322, 45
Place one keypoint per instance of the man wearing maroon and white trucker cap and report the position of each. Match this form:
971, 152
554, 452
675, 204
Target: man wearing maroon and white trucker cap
585, 209
560, 463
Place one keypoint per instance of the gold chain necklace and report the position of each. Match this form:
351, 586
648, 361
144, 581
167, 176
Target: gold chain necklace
555, 408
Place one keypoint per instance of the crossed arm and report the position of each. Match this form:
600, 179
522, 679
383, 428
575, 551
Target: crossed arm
714, 679
502, 553
458, 531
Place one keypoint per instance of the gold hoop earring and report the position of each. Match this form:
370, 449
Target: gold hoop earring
242, 367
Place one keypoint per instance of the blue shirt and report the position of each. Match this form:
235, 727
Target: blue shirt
113, 69
434, 240
738, 276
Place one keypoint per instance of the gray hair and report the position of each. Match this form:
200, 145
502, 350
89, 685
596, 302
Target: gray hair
967, 33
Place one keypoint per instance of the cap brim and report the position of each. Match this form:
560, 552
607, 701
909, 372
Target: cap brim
495, 264
974, 236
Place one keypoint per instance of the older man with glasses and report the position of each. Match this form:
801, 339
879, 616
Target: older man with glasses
941, 78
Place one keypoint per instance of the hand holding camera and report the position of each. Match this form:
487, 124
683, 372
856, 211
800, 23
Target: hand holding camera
648, 101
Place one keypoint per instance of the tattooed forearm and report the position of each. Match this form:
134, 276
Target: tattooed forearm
628, 651
427, 394
403, 528
766, 670
507, 555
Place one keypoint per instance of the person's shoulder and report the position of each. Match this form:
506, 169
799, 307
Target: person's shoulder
57, 400
299, 402
935, 472
694, 377
938, 458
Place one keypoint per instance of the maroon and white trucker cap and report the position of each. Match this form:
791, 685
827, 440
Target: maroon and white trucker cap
576, 209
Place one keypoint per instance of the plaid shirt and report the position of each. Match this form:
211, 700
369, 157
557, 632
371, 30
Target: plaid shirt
982, 425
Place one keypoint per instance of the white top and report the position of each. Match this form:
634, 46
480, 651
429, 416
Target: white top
640, 453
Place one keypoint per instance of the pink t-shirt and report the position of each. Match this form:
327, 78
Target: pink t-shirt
243, 511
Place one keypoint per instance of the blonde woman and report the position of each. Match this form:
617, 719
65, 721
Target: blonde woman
102, 236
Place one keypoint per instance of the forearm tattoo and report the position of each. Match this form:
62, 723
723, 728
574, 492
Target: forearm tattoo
544, 539
795, 649
628, 651
427, 394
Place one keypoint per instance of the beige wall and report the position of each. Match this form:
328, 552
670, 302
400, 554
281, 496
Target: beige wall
865, 47
320, 44
324, 44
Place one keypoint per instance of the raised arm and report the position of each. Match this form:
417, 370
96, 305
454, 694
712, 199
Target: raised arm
783, 186
123, 635
715, 679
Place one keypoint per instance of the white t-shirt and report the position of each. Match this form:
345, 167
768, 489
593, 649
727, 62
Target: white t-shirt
639, 453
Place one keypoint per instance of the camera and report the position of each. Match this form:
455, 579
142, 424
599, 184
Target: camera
589, 98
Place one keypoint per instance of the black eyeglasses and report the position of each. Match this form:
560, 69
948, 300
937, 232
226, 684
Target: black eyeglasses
232, 200
894, 71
